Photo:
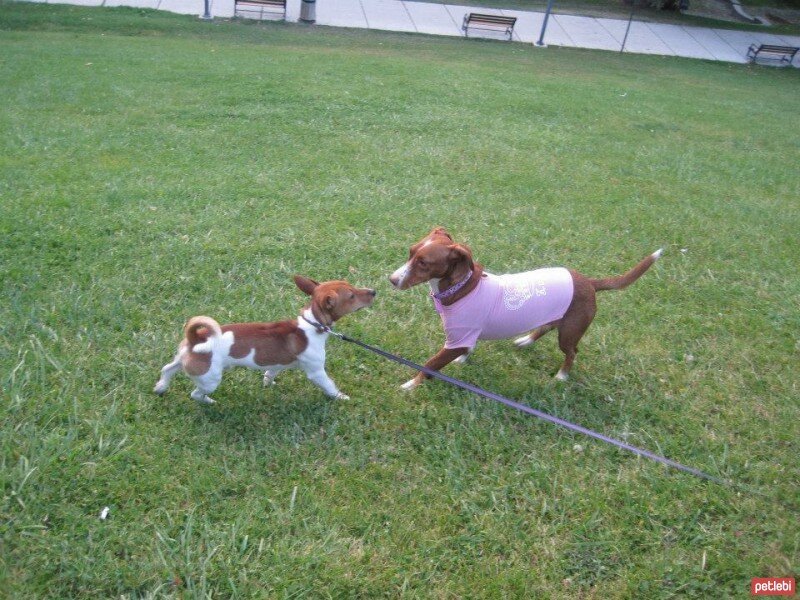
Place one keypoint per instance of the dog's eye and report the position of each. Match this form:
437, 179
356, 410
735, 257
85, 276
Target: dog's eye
352, 296
422, 264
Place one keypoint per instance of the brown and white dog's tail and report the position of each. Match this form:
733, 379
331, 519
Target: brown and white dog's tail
202, 345
623, 281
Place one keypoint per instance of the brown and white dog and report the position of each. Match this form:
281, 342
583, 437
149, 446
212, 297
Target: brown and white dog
208, 349
476, 305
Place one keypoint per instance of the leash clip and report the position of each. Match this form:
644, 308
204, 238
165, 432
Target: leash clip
320, 327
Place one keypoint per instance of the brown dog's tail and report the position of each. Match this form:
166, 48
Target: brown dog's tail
192, 332
623, 281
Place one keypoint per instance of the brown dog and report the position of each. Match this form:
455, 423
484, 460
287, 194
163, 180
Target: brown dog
208, 348
477, 305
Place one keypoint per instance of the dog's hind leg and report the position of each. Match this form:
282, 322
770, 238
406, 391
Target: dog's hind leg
534, 335
573, 326
205, 384
271, 373
201, 396
167, 373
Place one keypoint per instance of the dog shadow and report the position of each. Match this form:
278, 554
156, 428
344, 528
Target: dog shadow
291, 411
294, 411
528, 378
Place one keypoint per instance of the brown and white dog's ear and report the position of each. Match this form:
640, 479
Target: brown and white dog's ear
329, 301
306, 284
440, 231
461, 252
322, 306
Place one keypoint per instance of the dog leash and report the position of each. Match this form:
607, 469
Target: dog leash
543, 415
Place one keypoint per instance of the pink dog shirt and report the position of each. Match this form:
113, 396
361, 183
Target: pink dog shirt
507, 305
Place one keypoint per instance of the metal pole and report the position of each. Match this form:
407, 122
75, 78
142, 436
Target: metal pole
207, 14
630, 18
544, 24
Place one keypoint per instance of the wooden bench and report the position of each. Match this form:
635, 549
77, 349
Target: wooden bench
489, 23
781, 54
256, 9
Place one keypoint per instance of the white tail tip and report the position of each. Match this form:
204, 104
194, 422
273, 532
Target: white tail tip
203, 348
657, 254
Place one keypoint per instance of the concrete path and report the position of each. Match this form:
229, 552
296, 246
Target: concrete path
446, 19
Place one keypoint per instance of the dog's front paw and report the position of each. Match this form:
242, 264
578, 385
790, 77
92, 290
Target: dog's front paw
461, 359
161, 388
342, 396
410, 385
562, 376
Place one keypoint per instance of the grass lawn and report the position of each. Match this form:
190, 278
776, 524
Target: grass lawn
154, 167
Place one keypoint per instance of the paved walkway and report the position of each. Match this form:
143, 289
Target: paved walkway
445, 19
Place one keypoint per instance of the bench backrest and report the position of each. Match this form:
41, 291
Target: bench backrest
493, 19
780, 49
276, 3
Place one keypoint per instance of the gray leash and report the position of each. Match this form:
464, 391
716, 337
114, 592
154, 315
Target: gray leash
545, 416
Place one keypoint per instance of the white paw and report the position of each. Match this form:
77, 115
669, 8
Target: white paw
523, 341
269, 381
203, 399
562, 376
161, 388
342, 396
461, 359
409, 385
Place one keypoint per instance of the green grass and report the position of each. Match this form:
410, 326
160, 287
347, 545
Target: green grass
153, 167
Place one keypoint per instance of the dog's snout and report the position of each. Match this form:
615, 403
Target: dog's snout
372, 293
398, 278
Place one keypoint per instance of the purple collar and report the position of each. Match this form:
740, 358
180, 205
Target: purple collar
452, 290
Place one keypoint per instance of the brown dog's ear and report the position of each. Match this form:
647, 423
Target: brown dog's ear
306, 284
440, 231
322, 307
461, 252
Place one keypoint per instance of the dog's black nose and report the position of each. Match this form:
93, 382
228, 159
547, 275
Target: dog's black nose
372, 292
